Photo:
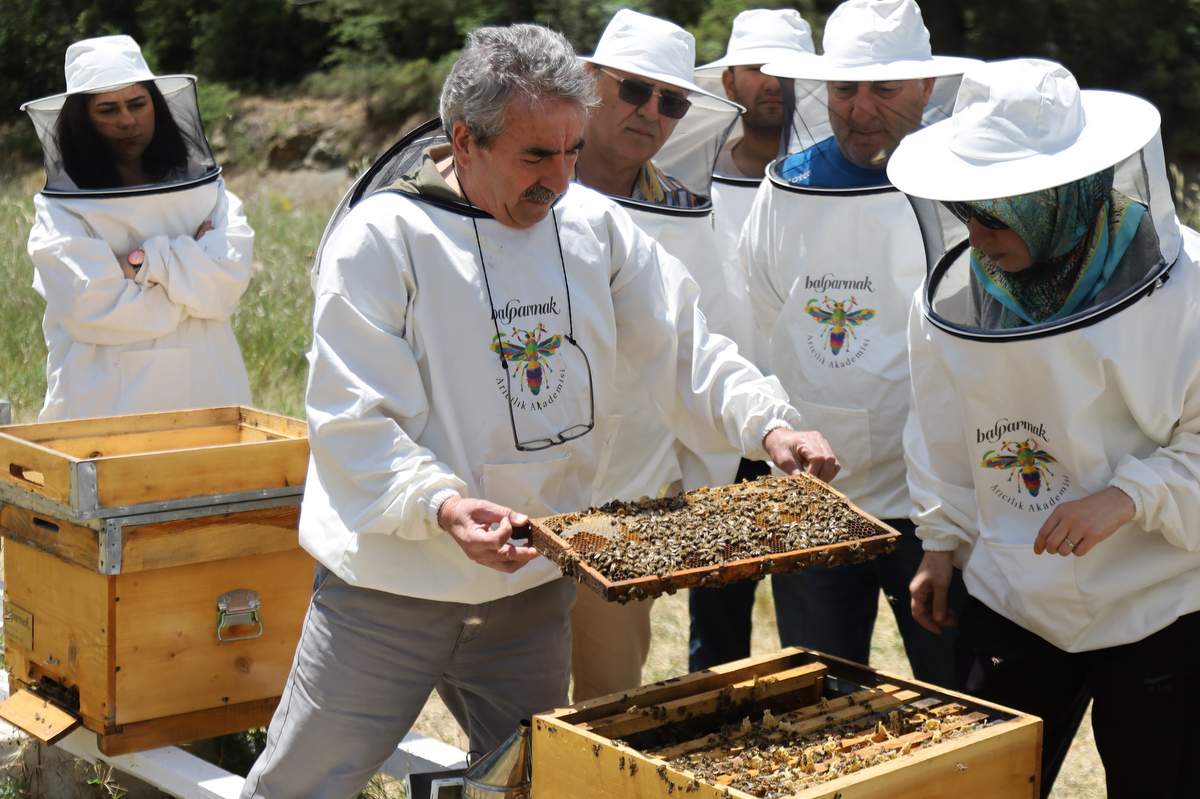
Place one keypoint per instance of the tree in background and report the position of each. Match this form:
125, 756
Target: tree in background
398, 51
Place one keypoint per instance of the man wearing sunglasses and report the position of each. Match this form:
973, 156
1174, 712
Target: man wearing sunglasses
468, 323
833, 255
643, 70
644, 88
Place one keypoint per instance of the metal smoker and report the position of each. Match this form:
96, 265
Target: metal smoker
503, 773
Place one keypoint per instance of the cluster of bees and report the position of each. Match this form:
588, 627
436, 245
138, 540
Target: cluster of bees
777, 756
708, 527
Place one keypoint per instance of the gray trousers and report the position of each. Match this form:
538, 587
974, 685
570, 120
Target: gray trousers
368, 660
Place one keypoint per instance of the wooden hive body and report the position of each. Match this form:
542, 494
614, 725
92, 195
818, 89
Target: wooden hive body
120, 535
598, 749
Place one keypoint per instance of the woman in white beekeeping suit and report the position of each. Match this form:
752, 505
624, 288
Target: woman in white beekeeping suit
1054, 449
138, 249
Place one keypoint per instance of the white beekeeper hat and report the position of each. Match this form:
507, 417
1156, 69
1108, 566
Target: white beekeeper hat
650, 48
103, 64
872, 40
762, 35
1020, 126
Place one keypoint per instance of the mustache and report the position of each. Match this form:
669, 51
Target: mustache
539, 194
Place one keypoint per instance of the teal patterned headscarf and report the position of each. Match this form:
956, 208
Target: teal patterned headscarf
1076, 234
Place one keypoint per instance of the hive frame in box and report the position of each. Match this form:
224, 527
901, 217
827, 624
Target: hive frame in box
572, 564
582, 751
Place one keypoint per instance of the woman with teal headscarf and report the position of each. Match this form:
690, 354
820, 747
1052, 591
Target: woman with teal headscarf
1042, 256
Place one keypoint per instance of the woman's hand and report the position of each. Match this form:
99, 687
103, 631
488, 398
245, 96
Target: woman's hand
1077, 526
131, 263
930, 592
205, 226
470, 523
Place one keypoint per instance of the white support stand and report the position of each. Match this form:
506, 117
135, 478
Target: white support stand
183, 775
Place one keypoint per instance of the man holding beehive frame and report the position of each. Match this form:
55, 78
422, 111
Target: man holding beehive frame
833, 253
468, 319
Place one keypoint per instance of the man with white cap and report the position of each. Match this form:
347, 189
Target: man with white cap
1055, 436
651, 144
720, 618
471, 306
832, 254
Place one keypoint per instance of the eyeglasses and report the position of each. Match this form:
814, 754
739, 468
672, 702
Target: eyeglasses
965, 211
673, 105
523, 360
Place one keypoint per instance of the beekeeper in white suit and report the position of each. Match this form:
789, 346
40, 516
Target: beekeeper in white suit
719, 618
832, 252
651, 144
139, 250
1055, 440
471, 306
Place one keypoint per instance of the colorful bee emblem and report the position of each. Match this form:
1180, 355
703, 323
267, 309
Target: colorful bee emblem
529, 354
839, 317
1024, 458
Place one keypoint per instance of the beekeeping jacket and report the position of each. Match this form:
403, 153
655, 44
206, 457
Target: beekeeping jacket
1011, 423
161, 341
409, 401
831, 269
758, 36
648, 457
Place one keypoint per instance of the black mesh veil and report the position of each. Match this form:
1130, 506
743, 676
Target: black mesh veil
181, 102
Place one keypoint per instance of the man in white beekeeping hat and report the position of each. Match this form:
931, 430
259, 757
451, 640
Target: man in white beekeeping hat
651, 144
759, 36
833, 253
720, 617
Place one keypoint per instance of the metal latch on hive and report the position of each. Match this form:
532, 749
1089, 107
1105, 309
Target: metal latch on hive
238, 608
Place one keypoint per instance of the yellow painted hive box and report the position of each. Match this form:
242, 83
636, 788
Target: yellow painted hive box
792, 725
154, 586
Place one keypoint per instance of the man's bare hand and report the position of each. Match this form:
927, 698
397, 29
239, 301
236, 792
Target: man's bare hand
483, 529
1077, 526
930, 592
794, 451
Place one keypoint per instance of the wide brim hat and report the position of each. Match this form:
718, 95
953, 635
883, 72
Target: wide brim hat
872, 40
103, 64
649, 47
762, 35
1020, 126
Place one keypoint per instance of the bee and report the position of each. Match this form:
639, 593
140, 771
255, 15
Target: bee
529, 354
1023, 458
839, 317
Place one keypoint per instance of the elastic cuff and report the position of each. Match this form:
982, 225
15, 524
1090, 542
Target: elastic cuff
947, 544
437, 500
772, 426
1132, 491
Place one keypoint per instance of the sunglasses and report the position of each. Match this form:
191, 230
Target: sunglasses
965, 211
637, 93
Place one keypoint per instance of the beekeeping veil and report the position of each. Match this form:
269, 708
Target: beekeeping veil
1022, 149
105, 64
867, 41
759, 36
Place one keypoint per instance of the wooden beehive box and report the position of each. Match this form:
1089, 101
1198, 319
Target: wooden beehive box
656, 741
121, 535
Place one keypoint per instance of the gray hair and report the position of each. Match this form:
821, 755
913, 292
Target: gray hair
500, 64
